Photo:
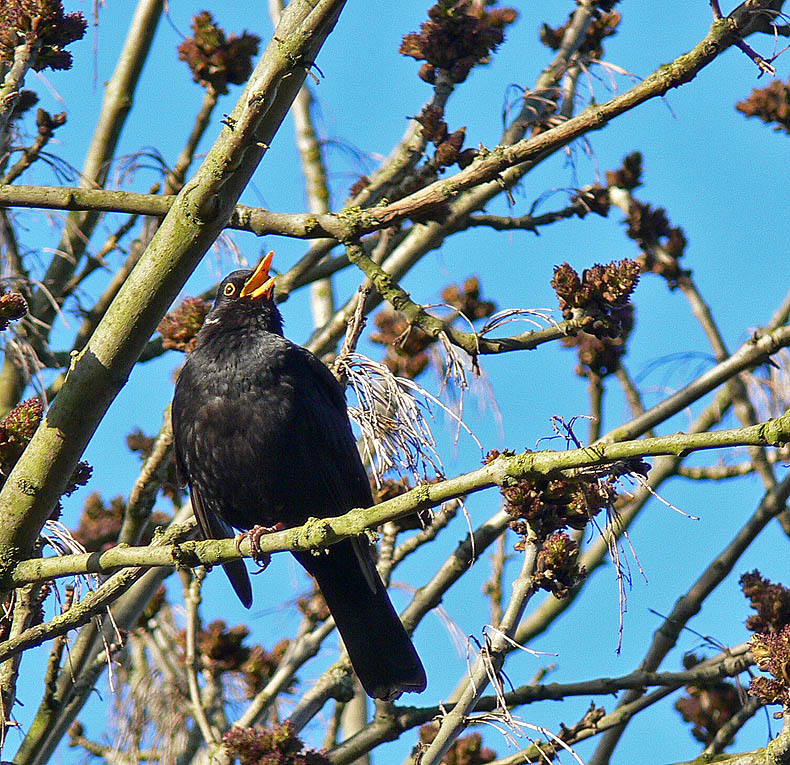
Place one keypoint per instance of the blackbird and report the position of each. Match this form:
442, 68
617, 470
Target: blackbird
262, 439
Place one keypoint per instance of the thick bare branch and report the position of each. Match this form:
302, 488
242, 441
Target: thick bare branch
195, 220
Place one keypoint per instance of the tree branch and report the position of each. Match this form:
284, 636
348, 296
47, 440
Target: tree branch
401, 719
316, 533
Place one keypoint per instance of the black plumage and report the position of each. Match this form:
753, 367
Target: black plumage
262, 437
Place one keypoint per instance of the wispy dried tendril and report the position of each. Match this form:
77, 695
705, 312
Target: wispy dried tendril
394, 416
60, 539
542, 318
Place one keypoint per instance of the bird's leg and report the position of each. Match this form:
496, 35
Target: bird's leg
254, 535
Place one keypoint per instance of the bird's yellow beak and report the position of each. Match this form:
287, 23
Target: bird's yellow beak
260, 284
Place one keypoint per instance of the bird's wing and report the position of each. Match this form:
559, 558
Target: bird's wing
213, 527
326, 444
329, 453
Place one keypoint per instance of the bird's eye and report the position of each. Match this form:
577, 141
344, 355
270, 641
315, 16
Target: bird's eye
230, 290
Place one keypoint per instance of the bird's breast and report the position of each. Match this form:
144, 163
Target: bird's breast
238, 411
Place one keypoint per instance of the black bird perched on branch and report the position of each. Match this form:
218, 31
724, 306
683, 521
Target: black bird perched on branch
262, 438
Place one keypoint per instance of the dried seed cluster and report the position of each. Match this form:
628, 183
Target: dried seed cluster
13, 306
222, 650
215, 58
557, 569
16, 430
278, 745
407, 344
770, 104
448, 145
662, 244
99, 523
41, 23
771, 652
179, 328
628, 175
708, 708
602, 26
466, 750
547, 505
601, 299
543, 507
457, 36
771, 643
770, 601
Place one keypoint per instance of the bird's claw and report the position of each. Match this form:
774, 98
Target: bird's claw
254, 536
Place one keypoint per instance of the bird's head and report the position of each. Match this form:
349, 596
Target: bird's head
247, 296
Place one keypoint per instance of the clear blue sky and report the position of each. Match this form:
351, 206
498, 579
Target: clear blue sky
721, 177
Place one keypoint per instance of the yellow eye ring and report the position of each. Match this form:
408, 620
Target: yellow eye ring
230, 290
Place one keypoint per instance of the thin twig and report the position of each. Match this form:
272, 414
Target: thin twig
487, 667
192, 597
147, 484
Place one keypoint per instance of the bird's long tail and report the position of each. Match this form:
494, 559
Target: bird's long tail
381, 652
